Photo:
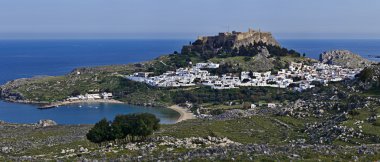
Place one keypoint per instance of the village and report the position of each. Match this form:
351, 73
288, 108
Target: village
298, 76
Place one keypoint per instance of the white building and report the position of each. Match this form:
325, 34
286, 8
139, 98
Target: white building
271, 105
184, 77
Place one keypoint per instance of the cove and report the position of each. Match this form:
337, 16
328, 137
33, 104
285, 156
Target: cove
82, 113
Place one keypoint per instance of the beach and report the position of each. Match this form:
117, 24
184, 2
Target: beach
57, 104
184, 113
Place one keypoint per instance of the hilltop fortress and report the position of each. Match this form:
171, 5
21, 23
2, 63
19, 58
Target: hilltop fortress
240, 38
229, 40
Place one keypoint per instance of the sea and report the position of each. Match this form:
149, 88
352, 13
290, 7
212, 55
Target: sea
29, 58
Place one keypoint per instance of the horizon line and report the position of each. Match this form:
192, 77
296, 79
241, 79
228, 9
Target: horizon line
189, 35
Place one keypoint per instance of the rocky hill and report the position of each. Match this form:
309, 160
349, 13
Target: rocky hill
235, 52
240, 38
370, 76
344, 58
229, 40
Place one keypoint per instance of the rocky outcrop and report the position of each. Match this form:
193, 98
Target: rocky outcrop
261, 60
228, 41
369, 77
46, 123
6, 90
345, 59
233, 114
374, 71
9, 91
240, 38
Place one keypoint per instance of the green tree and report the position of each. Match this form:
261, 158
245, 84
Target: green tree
101, 132
134, 125
144, 125
124, 126
75, 92
121, 127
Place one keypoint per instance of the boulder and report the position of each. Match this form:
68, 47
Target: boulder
6, 149
46, 123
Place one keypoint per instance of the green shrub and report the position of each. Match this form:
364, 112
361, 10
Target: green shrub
124, 127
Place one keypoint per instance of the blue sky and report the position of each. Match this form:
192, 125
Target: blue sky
188, 18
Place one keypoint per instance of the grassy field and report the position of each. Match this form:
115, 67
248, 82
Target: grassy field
374, 92
272, 131
256, 129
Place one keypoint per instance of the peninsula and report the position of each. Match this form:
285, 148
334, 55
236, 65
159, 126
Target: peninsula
252, 99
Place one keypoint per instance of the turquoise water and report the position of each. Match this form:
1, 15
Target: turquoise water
27, 58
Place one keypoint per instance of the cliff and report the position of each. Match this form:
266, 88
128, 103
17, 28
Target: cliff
344, 58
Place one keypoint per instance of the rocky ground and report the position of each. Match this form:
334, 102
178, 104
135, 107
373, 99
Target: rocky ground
344, 58
67, 143
338, 122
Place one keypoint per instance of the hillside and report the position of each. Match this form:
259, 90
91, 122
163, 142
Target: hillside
251, 51
344, 58
340, 123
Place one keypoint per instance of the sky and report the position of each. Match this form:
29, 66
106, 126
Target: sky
188, 18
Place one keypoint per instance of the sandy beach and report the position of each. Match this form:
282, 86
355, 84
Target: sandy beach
185, 114
57, 104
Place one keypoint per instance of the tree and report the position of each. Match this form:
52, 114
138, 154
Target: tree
75, 92
101, 132
134, 125
151, 120
139, 125
121, 126
124, 126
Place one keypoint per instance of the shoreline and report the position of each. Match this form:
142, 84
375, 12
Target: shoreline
57, 104
185, 114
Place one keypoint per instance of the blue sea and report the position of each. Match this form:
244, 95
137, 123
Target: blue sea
28, 58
